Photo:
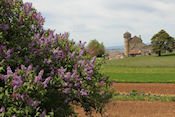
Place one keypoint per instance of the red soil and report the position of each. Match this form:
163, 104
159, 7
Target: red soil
135, 109
138, 108
158, 88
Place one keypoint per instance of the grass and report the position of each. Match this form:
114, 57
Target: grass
134, 95
142, 69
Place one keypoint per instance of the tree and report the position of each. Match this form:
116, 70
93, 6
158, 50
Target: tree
162, 41
43, 73
95, 48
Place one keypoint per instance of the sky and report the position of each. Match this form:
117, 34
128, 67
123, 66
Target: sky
108, 20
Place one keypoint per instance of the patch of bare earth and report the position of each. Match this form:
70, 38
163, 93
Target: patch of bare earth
135, 109
158, 88
138, 108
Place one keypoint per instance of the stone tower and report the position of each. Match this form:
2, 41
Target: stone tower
127, 37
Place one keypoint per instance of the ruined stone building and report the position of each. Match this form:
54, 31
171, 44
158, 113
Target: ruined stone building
134, 46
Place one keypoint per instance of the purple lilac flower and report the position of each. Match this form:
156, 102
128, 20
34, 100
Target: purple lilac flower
13, 116
81, 82
83, 45
82, 62
37, 36
46, 61
79, 57
65, 84
78, 79
41, 73
91, 65
46, 81
9, 71
76, 84
39, 18
29, 67
26, 59
16, 77
71, 85
67, 76
17, 81
93, 60
63, 54
81, 52
2, 109
74, 75
106, 78
75, 66
66, 34
88, 78
23, 67
89, 73
36, 68
66, 91
52, 72
67, 45
43, 113
70, 55
8, 53
51, 34
23, 96
102, 82
29, 8
15, 95
57, 54
30, 102
73, 55
4, 77
39, 77
35, 104
83, 92
61, 71
6, 27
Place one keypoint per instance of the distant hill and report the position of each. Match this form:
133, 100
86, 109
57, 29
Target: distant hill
121, 47
114, 47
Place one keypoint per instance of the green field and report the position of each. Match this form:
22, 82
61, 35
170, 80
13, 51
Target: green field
142, 69
134, 95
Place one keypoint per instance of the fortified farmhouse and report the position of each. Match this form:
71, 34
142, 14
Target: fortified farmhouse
134, 46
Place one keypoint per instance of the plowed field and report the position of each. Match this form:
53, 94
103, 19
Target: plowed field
139, 108
158, 88
136, 109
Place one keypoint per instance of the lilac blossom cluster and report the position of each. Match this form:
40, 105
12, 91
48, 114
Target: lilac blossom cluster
57, 49
18, 80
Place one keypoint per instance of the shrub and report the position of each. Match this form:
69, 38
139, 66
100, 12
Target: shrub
95, 48
43, 73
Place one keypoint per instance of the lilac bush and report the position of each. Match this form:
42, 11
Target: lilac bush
44, 73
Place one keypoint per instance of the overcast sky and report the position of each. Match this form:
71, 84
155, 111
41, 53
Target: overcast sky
107, 20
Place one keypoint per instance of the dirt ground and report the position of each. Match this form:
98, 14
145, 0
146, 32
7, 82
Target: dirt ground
158, 88
136, 109
139, 108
